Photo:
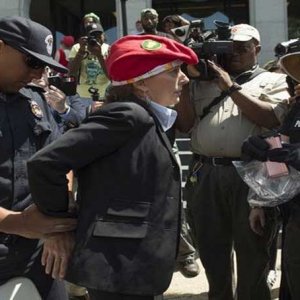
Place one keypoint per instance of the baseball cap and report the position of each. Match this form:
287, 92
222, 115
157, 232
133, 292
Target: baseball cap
149, 10
30, 38
92, 15
244, 32
290, 64
136, 57
95, 28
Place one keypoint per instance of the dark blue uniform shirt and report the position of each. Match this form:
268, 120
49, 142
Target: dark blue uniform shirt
26, 125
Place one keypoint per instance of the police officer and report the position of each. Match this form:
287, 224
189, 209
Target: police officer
257, 148
26, 125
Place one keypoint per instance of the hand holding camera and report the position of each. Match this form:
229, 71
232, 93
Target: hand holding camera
67, 85
56, 99
222, 78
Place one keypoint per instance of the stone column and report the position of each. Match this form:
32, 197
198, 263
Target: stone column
270, 18
133, 8
14, 8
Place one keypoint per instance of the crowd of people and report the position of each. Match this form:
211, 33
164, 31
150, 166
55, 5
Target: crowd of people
91, 180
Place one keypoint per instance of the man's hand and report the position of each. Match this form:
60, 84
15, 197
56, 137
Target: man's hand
36, 225
96, 50
57, 250
56, 99
295, 98
222, 77
83, 43
257, 220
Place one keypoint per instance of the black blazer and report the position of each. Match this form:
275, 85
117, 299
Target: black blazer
128, 194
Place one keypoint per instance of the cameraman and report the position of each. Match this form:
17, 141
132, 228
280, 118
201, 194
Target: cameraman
87, 62
216, 195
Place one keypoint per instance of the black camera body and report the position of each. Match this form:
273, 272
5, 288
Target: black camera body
65, 84
92, 41
287, 47
208, 45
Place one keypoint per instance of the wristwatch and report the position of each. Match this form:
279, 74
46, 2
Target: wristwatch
235, 87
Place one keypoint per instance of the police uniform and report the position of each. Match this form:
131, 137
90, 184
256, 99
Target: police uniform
217, 196
289, 287
26, 125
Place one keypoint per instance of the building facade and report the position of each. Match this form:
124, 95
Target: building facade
268, 16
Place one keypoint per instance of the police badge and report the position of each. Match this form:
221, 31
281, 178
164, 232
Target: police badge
36, 110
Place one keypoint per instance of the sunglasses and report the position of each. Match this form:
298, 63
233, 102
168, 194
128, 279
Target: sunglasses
30, 60
34, 63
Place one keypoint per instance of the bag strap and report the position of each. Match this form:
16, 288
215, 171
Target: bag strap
240, 80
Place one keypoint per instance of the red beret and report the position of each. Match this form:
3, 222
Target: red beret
136, 57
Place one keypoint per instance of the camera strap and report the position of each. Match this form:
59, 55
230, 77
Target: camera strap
240, 80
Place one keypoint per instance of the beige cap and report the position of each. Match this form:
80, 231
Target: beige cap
244, 33
149, 10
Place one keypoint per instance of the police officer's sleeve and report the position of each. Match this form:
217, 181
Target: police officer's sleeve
76, 113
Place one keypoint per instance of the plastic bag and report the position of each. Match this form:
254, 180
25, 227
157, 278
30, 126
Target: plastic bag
266, 191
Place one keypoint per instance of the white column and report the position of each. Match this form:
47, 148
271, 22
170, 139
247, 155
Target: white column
14, 8
133, 9
270, 18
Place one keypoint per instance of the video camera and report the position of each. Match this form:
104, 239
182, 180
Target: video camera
208, 45
65, 84
287, 47
92, 31
92, 40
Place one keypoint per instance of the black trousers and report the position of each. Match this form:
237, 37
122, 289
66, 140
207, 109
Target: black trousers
23, 261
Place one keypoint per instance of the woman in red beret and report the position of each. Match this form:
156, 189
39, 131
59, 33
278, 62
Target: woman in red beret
128, 178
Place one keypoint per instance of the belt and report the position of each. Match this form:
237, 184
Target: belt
216, 161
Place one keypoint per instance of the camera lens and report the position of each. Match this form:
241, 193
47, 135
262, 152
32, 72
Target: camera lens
92, 41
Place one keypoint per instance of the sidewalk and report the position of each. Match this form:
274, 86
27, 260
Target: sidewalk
196, 288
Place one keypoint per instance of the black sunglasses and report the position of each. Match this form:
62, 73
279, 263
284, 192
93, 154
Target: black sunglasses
30, 60
34, 63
